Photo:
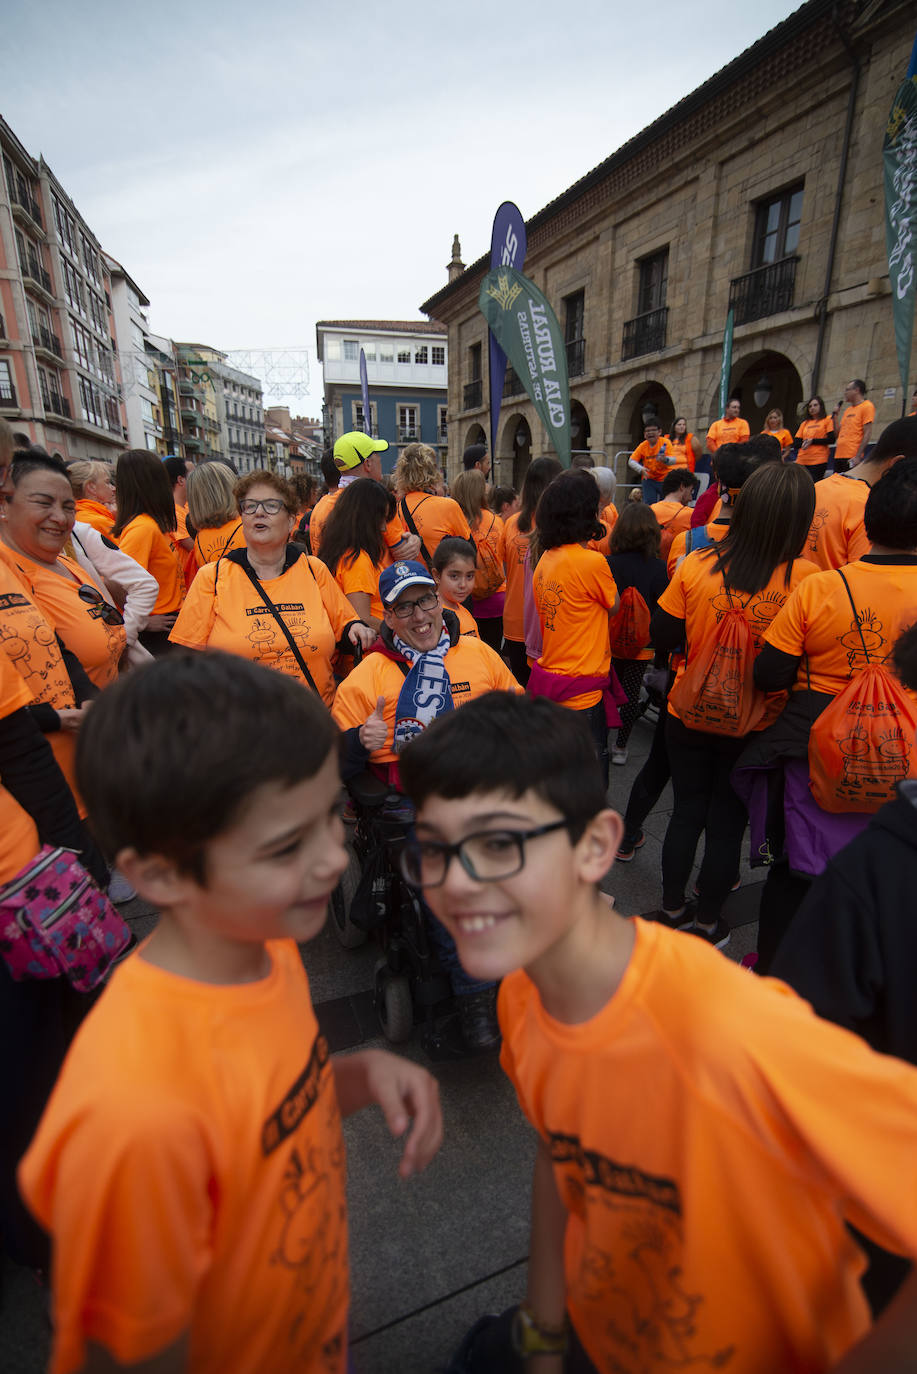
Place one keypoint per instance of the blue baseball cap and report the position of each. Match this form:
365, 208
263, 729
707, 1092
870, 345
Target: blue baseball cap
396, 579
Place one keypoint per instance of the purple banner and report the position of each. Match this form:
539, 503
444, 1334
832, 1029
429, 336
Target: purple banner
364, 383
507, 249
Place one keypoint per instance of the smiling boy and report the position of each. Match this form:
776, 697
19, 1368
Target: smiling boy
697, 1155
190, 1165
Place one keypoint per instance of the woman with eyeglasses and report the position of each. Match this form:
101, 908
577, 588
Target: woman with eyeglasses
59, 630
269, 601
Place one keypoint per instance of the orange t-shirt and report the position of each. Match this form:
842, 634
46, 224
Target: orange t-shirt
394, 530
727, 432
683, 449
467, 623
608, 520
98, 646
223, 610
672, 515
815, 431
209, 545
189, 1167
143, 540
652, 457
515, 547
95, 514
744, 1160
837, 534
473, 668
489, 540
783, 437
574, 591
436, 517
28, 638
818, 621
697, 596
19, 842
680, 542
850, 430
361, 574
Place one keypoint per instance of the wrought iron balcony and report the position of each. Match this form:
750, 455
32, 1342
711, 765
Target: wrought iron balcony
474, 392
21, 199
32, 270
407, 434
57, 404
766, 291
43, 338
444, 434
576, 357
8, 396
3, 334
645, 333
511, 383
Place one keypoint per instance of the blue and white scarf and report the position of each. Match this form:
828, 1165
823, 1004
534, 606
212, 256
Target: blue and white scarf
426, 693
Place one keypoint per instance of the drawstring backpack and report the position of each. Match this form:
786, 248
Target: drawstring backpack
862, 745
716, 693
629, 629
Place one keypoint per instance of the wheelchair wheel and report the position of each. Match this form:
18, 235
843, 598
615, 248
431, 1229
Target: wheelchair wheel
394, 1005
349, 935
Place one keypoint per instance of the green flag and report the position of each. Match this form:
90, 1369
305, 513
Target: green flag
526, 328
899, 159
726, 365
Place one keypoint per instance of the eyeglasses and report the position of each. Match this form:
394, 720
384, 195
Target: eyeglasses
272, 506
108, 614
486, 857
423, 603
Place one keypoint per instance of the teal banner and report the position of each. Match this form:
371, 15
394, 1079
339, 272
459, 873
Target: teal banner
899, 159
726, 364
526, 328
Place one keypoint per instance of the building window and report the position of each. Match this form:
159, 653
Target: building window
474, 362
777, 223
441, 422
407, 423
358, 418
574, 316
420, 355
438, 355
65, 225
386, 353
370, 351
351, 351
652, 282
404, 353
151, 442
7, 394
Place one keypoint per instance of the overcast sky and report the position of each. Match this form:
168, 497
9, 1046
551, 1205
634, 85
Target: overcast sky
258, 167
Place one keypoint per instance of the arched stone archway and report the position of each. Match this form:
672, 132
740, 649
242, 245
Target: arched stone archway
647, 398
475, 435
517, 440
764, 381
580, 427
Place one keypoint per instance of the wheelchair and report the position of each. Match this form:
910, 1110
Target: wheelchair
373, 901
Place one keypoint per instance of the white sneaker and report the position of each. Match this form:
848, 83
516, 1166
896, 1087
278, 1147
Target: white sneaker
619, 756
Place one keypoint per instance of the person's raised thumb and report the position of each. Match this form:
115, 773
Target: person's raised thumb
380, 707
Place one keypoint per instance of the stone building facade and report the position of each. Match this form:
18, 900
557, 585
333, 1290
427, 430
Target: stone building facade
762, 189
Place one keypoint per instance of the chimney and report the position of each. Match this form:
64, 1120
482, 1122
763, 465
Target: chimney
456, 266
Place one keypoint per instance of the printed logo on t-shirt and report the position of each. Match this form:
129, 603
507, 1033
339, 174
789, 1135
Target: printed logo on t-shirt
457, 688
300, 1099
865, 633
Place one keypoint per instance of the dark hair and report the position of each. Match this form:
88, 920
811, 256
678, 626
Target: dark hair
769, 526
676, 480
736, 462
355, 524
453, 546
501, 742
636, 530
652, 423
674, 423
891, 508
904, 657
473, 455
822, 413
567, 511
330, 472
899, 439
35, 459
538, 474
502, 496
859, 384
142, 487
176, 467
185, 771
306, 488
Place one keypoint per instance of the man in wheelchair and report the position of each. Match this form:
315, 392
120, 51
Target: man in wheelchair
419, 668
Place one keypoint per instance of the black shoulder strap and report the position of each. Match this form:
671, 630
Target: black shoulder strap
294, 647
409, 520
856, 614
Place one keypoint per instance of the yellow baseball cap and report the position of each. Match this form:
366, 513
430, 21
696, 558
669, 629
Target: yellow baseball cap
352, 449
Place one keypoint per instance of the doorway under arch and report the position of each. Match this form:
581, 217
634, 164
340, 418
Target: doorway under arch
580, 428
764, 382
517, 440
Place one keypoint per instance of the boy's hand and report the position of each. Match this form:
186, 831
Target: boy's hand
403, 1090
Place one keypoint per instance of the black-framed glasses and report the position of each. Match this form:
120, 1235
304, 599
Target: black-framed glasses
272, 506
108, 614
486, 856
423, 603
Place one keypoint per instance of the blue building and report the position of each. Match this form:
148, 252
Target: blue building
407, 368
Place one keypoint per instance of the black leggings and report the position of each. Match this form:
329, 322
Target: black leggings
514, 652
649, 783
490, 629
630, 675
815, 470
705, 803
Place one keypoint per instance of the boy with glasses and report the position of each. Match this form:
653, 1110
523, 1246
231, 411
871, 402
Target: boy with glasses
697, 1154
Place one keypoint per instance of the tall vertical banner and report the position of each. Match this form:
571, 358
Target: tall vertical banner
364, 383
899, 161
526, 328
726, 364
507, 249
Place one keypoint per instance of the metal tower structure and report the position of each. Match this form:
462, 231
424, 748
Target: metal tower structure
284, 372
